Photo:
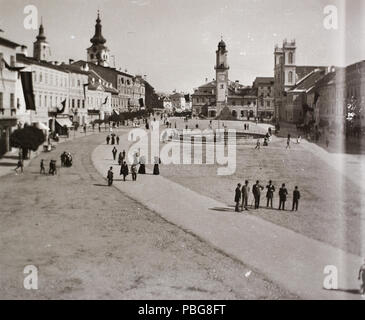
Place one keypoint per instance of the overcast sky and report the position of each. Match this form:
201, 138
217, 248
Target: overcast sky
173, 42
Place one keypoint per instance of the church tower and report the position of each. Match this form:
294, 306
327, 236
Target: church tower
98, 53
41, 48
221, 69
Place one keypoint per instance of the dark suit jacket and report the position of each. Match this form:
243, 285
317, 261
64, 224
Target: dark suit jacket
296, 195
237, 197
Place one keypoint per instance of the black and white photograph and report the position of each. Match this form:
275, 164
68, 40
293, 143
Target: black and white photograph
182, 150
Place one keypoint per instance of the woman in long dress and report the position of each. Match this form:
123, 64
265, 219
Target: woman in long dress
142, 165
156, 168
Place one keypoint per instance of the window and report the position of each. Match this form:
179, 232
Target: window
290, 77
290, 57
12, 61
83, 104
78, 103
1, 100
12, 106
40, 77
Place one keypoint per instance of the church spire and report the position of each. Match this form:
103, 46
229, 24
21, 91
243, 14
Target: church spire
41, 36
98, 37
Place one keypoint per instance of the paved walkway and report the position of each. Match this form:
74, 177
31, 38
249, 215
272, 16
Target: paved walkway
9, 161
290, 259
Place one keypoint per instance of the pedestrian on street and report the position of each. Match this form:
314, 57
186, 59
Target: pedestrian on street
120, 159
258, 145
237, 197
299, 139
123, 155
117, 140
110, 176
270, 194
113, 139
114, 151
362, 278
156, 167
20, 165
296, 197
142, 165
288, 142
43, 169
256, 190
124, 170
283, 192
245, 195
134, 172
107, 139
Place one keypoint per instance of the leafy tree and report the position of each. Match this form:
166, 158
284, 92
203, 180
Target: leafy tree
27, 138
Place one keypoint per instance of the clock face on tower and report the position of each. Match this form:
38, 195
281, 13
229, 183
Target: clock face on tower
222, 77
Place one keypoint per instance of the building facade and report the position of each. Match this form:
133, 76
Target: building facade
9, 105
286, 75
212, 97
264, 87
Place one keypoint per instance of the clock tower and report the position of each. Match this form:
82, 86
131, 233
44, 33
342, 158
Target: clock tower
221, 69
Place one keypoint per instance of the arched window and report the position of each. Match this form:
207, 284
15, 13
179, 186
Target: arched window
290, 77
290, 58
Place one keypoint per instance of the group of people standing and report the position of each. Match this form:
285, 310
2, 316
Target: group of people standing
124, 168
242, 195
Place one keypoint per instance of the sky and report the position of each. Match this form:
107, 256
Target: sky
173, 42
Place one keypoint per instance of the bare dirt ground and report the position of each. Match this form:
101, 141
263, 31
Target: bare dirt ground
330, 208
89, 241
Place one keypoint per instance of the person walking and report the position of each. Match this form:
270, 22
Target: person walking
288, 142
107, 139
124, 170
134, 172
299, 139
245, 195
20, 165
117, 138
362, 278
114, 151
270, 194
110, 176
258, 145
237, 197
256, 190
296, 197
120, 159
283, 192
43, 169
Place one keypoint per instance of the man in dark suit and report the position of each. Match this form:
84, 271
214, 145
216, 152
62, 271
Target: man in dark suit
283, 192
270, 193
237, 197
296, 197
245, 195
256, 190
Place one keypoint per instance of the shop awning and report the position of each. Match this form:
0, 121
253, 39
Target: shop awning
64, 122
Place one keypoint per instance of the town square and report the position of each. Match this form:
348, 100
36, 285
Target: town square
134, 166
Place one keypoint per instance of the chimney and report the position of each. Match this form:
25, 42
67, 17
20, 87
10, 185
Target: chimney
24, 50
70, 61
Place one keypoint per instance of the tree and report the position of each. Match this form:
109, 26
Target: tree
27, 138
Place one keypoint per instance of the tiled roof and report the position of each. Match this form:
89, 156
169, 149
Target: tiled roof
8, 43
28, 60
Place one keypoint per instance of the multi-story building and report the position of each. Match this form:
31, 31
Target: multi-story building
264, 87
131, 89
8, 87
212, 97
286, 74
